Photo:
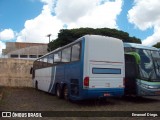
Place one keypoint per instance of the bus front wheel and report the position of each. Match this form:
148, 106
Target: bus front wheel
66, 92
36, 85
58, 91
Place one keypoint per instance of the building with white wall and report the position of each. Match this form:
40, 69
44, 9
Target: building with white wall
24, 50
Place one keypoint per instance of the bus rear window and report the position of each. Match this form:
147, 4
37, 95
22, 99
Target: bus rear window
106, 71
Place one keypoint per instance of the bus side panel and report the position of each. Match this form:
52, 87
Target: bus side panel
70, 74
43, 78
79, 75
73, 79
74, 76
59, 77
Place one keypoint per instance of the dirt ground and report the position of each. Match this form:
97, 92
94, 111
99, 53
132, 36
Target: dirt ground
29, 99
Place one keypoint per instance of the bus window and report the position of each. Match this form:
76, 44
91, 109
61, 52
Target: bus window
36, 64
75, 52
57, 57
50, 60
45, 61
66, 55
156, 59
41, 63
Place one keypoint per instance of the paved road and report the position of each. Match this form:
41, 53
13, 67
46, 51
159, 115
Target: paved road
29, 99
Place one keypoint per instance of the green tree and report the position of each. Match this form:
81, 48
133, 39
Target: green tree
66, 36
157, 45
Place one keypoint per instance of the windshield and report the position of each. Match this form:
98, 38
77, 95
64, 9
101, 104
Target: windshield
156, 59
149, 66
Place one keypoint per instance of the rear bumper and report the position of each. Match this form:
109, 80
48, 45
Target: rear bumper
99, 93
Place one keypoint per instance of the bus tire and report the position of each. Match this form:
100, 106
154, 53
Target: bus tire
58, 91
66, 93
36, 85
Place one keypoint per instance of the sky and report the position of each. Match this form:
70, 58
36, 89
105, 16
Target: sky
33, 20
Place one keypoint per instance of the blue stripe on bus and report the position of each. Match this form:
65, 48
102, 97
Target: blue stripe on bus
52, 79
106, 71
100, 92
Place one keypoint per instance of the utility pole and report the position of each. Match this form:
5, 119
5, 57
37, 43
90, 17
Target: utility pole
49, 36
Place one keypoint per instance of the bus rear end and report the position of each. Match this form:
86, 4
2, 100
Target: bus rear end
103, 67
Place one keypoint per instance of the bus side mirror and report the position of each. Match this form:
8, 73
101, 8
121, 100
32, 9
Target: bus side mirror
31, 70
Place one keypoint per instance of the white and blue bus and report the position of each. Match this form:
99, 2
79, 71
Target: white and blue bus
142, 70
90, 67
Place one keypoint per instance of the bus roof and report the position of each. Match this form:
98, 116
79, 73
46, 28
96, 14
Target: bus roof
79, 39
140, 46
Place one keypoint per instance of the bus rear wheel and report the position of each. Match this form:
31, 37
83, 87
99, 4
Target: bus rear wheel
36, 85
66, 92
58, 91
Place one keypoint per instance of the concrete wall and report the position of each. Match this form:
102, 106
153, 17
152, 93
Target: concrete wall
15, 72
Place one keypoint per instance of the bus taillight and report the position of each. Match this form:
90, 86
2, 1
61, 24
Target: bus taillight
86, 82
